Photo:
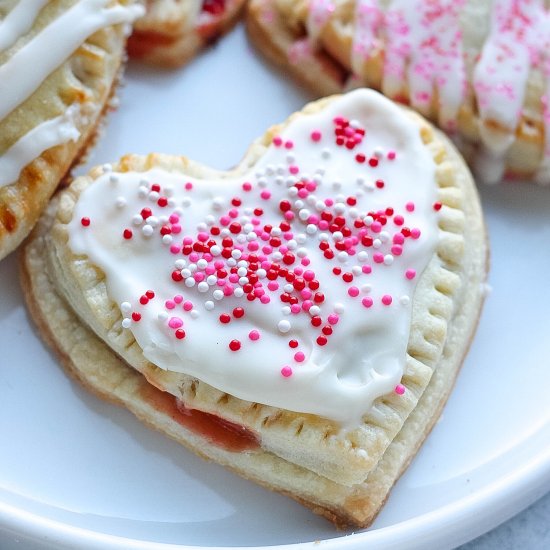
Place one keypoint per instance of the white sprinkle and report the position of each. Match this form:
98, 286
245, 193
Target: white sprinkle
262, 182
378, 152
366, 288
292, 244
236, 254
107, 168
217, 203
167, 239
120, 202
286, 310
169, 190
194, 314
215, 250
311, 200
377, 243
301, 238
186, 272
242, 263
311, 229
153, 196
202, 263
342, 256
153, 221
353, 212
126, 307
356, 270
190, 282
211, 280
323, 236
279, 180
126, 323
262, 273
325, 153
388, 259
337, 236
276, 231
301, 252
242, 271
114, 179
186, 202
225, 232
288, 288
336, 185
163, 220
304, 214
217, 294
238, 292
202, 226
147, 230
339, 207
299, 204
363, 256
243, 281
210, 220
384, 236
404, 300
162, 316
202, 286
231, 262
320, 206
180, 264
339, 308
314, 310
284, 326
277, 256
293, 192
193, 267
241, 238
142, 192
290, 158
137, 219
209, 305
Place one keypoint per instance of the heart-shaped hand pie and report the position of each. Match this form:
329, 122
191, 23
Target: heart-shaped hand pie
49, 114
477, 67
304, 315
173, 31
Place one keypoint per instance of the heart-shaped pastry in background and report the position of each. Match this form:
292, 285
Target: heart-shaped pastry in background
173, 31
53, 92
479, 68
300, 319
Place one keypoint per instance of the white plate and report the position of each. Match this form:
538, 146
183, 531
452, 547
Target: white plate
78, 472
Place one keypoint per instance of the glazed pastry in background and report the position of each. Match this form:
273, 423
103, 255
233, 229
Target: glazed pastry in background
59, 61
173, 31
299, 320
479, 68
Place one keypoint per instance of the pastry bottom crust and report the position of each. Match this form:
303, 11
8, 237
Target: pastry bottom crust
90, 360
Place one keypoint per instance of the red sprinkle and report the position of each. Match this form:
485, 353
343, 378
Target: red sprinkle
85, 222
234, 345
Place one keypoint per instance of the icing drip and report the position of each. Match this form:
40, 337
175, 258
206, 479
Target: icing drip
44, 136
369, 19
19, 21
18, 83
318, 16
290, 285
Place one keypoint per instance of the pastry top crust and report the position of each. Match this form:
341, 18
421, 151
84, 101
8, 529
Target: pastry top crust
308, 440
476, 67
47, 114
173, 31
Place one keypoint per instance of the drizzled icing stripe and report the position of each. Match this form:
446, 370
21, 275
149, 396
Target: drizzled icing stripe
44, 136
18, 83
318, 16
289, 285
19, 21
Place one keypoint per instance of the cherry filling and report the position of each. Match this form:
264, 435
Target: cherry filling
214, 7
217, 431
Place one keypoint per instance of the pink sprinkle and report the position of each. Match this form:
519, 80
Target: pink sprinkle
376, 227
286, 371
199, 277
398, 238
175, 322
399, 389
366, 269
175, 249
353, 291
295, 308
333, 318
176, 228
254, 335
329, 202
313, 219
265, 194
305, 261
378, 257
253, 246
178, 298
225, 220
233, 213
306, 293
367, 301
410, 274
299, 356
387, 299
289, 144
289, 215
174, 218
273, 285
169, 304
410, 207
309, 275
194, 257
316, 135
210, 270
293, 169
187, 305
187, 240
398, 220
415, 233
397, 250
306, 305
311, 186
391, 155
265, 299
233, 278
227, 290
277, 141
247, 186
323, 224
188, 186
203, 236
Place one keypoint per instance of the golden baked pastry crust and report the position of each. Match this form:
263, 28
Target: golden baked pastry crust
172, 32
87, 79
346, 479
277, 27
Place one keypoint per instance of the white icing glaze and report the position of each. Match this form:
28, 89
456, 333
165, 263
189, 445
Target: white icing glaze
19, 21
48, 134
365, 355
424, 53
45, 53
